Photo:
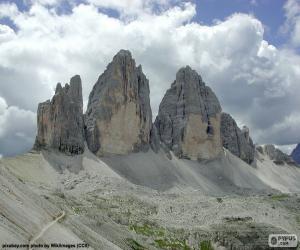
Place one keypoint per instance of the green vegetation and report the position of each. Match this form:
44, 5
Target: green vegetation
162, 238
238, 219
77, 210
279, 197
60, 194
148, 230
21, 180
206, 245
166, 243
298, 219
134, 244
220, 200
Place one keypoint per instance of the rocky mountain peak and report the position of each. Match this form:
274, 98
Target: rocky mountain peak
186, 75
58, 88
236, 140
60, 121
119, 116
188, 121
296, 154
275, 154
122, 54
123, 61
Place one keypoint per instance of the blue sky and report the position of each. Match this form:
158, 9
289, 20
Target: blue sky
247, 51
269, 12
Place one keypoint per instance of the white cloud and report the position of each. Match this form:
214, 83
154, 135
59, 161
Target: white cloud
255, 81
292, 24
134, 7
288, 149
17, 129
8, 10
3, 106
6, 33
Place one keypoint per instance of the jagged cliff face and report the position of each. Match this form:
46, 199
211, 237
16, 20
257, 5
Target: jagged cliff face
296, 154
276, 155
237, 141
60, 121
118, 118
189, 117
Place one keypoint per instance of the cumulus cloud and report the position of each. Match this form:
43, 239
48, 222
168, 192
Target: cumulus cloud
288, 149
292, 24
128, 8
255, 81
17, 129
8, 10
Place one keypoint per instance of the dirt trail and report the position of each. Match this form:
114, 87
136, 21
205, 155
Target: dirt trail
45, 228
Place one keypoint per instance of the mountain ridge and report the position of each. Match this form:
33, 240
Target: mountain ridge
122, 182
118, 119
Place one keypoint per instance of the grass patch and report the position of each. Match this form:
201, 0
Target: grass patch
134, 244
206, 245
171, 244
279, 197
220, 200
148, 230
60, 194
238, 219
77, 210
298, 219
162, 238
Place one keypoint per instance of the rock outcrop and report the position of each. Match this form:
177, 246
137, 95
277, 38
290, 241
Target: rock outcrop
296, 154
275, 154
60, 121
189, 117
118, 118
237, 141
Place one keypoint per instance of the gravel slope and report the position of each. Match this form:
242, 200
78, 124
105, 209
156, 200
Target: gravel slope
146, 199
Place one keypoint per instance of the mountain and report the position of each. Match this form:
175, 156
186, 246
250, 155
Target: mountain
60, 121
189, 118
276, 155
119, 117
296, 154
112, 179
237, 141
118, 120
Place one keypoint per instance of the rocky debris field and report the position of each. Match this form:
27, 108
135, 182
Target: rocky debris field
105, 210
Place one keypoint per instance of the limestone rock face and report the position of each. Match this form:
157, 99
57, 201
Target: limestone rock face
296, 154
119, 117
237, 141
189, 118
60, 121
276, 154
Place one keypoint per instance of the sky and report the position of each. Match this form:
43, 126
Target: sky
247, 51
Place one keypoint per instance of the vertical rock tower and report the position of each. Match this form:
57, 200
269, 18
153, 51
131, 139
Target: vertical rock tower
237, 141
119, 117
189, 117
60, 121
